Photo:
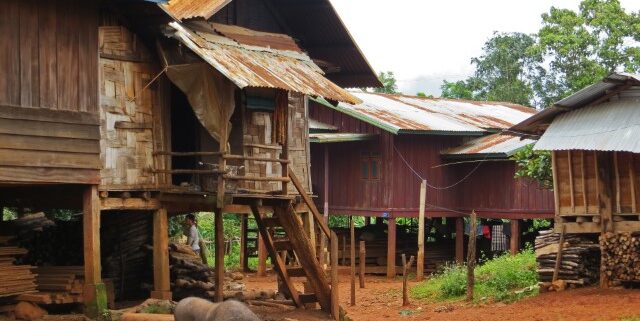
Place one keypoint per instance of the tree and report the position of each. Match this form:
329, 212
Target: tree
534, 165
581, 48
457, 90
502, 72
388, 80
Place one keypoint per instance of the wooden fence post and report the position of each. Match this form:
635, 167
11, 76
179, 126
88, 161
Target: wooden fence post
363, 258
420, 262
471, 257
405, 274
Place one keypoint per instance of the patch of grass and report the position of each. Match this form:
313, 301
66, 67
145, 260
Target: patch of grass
156, 309
505, 278
636, 318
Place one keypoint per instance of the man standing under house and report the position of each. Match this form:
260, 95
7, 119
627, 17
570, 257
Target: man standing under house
191, 231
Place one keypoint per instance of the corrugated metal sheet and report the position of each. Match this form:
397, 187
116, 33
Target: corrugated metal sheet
611, 126
259, 66
339, 137
185, 9
315, 125
501, 145
398, 113
577, 100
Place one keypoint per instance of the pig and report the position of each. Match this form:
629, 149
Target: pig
196, 309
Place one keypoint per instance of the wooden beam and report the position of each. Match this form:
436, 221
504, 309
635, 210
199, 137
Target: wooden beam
616, 177
161, 275
362, 262
585, 201
391, 247
515, 237
353, 260
605, 203
219, 244
262, 257
556, 190
556, 269
571, 182
420, 262
95, 296
325, 210
471, 257
633, 181
136, 204
244, 257
335, 282
460, 240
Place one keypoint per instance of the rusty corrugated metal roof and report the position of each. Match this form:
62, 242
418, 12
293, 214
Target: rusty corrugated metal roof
186, 9
407, 114
498, 145
252, 65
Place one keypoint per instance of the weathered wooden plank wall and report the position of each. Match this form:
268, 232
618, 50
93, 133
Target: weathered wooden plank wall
49, 91
491, 189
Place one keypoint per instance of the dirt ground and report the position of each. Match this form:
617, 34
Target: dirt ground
382, 300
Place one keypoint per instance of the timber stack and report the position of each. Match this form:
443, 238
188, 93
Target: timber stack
580, 259
621, 257
57, 285
14, 279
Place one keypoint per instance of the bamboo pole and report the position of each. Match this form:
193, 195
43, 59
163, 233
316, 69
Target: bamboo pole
420, 262
471, 257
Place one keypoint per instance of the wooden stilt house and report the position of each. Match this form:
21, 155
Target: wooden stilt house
171, 107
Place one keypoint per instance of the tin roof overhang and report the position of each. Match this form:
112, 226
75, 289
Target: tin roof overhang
249, 62
490, 146
328, 138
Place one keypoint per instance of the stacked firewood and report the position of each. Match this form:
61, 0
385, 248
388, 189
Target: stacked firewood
621, 256
190, 277
580, 259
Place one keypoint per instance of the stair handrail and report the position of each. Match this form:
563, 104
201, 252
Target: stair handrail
312, 206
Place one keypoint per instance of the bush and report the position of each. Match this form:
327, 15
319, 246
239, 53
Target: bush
505, 278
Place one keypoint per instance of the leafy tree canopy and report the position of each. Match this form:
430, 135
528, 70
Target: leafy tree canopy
388, 80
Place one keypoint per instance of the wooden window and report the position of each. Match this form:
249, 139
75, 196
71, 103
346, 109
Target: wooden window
370, 166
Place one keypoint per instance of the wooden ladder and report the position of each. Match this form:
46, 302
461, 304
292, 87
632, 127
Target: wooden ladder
295, 239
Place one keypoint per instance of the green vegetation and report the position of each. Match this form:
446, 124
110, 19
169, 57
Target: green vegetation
534, 165
506, 278
388, 80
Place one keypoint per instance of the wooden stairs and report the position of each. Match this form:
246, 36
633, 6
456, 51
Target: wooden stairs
292, 237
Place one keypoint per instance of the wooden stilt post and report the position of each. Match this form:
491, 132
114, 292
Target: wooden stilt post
244, 231
471, 256
262, 257
405, 276
460, 240
515, 237
95, 294
556, 269
391, 248
335, 283
325, 209
362, 262
352, 249
420, 262
161, 277
219, 268
605, 167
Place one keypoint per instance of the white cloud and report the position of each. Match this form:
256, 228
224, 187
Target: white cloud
425, 41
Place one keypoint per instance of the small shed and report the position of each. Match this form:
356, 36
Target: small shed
593, 136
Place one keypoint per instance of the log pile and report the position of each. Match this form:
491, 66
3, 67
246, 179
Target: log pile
580, 261
14, 279
190, 277
57, 285
621, 256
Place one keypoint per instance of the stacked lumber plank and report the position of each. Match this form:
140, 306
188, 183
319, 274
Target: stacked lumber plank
14, 279
57, 285
580, 259
621, 256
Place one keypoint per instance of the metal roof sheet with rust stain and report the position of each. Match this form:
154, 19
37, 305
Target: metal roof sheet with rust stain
407, 114
495, 145
253, 63
186, 9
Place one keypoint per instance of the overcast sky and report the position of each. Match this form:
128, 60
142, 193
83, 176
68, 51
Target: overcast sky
426, 41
